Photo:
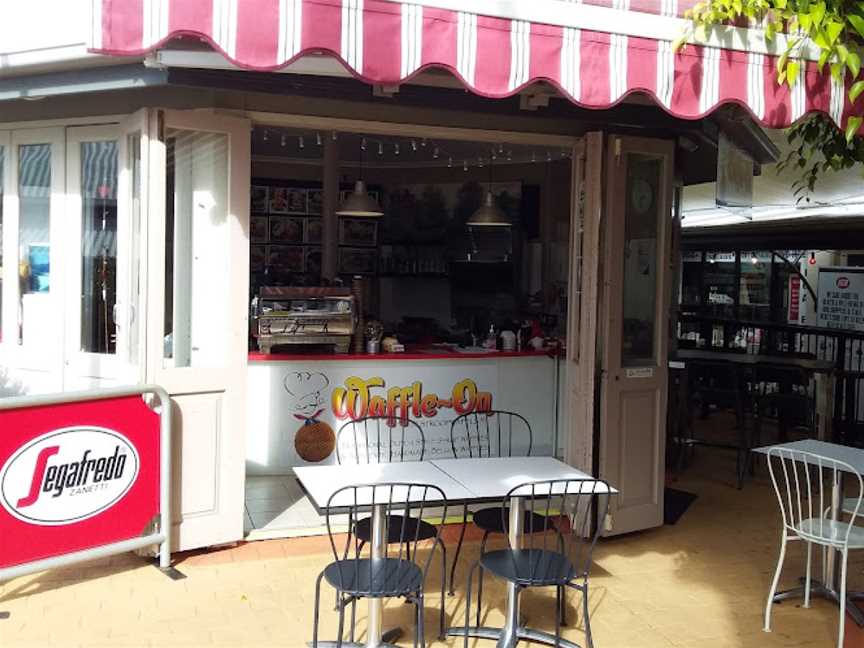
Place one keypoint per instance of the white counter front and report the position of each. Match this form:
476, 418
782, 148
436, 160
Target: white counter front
297, 404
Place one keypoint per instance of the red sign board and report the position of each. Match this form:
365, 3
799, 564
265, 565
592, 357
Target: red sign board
794, 299
75, 476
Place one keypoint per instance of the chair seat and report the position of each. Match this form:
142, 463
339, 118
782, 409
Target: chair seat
826, 531
386, 577
849, 506
529, 566
493, 521
363, 529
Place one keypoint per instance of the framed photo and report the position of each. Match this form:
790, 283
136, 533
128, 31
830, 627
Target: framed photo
258, 229
260, 196
314, 201
257, 257
358, 260
287, 200
358, 231
312, 256
312, 230
287, 257
286, 230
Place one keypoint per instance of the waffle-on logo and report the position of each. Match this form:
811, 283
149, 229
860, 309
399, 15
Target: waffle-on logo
843, 282
68, 475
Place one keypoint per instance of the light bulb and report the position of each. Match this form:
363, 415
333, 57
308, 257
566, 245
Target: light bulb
548, 156
396, 148
533, 156
380, 148
363, 144
413, 145
464, 165
500, 148
284, 141
301, 143
449, 162
435, 153
480, 162
318, 139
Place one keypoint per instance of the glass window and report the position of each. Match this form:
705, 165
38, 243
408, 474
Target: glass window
691, 278
719, 283
640, 259
98, 246
755, 285
34, 264
196, 246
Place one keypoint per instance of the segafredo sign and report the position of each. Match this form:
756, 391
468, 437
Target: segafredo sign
68, 475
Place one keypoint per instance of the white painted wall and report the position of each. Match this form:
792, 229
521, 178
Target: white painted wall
42, 33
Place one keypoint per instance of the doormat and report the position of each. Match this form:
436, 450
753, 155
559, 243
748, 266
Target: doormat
675, 504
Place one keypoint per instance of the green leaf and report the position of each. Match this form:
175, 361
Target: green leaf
837, 71
852, 127
842, 53
792, 70
833, 29
823, 59
780, 4
817, 13
856, 89
678, 43
701, 33
805, 21
853, 62
857, 22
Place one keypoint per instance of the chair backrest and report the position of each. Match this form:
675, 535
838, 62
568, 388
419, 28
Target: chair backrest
803, 483
380, 439
491, 434
573, 511
399, 503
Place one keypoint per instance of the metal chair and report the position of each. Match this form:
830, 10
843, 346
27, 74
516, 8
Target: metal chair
488, 434
799, 480
559, 553
355, 577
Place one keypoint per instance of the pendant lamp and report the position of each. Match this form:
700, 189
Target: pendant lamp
359, 203
489, 214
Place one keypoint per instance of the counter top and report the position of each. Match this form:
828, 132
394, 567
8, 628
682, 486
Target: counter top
418, 353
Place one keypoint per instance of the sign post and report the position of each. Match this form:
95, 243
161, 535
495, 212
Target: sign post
841, 298
83, 475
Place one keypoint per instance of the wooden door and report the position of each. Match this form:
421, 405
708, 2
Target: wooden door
635, 313
197, 328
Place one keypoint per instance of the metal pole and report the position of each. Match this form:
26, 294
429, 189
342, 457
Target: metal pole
510, 633
374, 624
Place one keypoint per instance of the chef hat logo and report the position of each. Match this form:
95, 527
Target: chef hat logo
305, 392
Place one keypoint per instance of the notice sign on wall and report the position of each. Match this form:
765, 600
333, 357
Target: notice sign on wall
75, 476
794, 315
841, 298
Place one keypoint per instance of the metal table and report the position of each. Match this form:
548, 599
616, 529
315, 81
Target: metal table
321, 482
491, 479
828, 587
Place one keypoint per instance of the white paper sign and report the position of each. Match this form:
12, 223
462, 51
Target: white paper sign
841, 298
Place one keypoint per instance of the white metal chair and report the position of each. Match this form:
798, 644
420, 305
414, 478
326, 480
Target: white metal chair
803, 483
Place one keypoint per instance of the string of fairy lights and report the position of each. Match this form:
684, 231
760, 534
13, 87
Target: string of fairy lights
418, 149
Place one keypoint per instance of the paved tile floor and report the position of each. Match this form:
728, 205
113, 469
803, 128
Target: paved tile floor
700, 583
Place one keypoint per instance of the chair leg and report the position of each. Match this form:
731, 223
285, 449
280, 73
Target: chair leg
807, 579
773, 590
589, 640
316, 610
480, 579
421, 628
441, 634
353, 617
458, 547
416, 602
841, 636
341, 624
468, 600
558, 599
562, 605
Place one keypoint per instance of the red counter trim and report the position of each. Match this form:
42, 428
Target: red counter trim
318, 357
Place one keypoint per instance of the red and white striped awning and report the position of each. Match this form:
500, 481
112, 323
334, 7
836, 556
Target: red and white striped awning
624, 46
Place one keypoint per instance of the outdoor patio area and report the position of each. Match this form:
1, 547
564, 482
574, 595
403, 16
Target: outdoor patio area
699, 583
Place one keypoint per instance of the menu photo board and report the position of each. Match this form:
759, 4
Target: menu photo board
841, 298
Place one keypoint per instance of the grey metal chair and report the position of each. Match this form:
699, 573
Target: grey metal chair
488, 434
559, 553
355, 577
803, 485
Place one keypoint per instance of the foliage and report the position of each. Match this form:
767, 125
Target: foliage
835, 28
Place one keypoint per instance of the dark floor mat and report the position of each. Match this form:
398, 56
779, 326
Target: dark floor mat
675, 504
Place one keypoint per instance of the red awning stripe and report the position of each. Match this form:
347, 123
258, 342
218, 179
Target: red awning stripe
387, 43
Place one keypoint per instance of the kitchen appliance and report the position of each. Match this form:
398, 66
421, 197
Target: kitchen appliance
321, 315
